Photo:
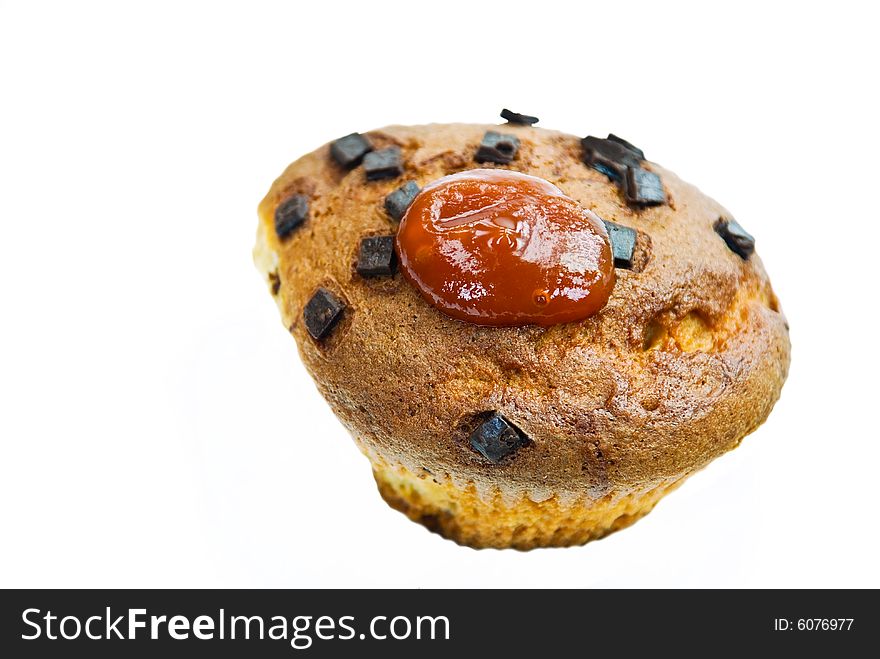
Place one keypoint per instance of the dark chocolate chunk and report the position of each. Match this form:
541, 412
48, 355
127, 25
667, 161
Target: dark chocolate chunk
643, 187
384, 163
496, 438
376, 256
620, 161
348, 151
609, 157
290, 213
322, 312
398, 201
517, 118
623, 244
622, 142
497, 148
738, 239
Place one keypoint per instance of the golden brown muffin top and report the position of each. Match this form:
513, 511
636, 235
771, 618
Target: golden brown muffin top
687, 357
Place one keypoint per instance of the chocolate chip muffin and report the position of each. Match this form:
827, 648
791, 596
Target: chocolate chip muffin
532, 336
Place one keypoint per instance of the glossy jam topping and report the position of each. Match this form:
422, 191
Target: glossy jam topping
496, 247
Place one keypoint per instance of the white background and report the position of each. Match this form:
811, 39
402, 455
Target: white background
157, 426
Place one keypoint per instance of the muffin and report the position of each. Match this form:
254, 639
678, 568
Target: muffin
532, 336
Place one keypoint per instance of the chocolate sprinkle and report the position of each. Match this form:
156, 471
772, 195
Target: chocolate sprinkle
642, 187
348, 151
376, 257
496, 438
497, 148
384, 163
609, 157
322, 313
622, 142
517, 118
398, 201
623, 244
290, 213
738, 239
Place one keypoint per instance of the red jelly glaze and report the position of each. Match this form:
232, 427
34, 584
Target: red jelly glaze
496, 247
